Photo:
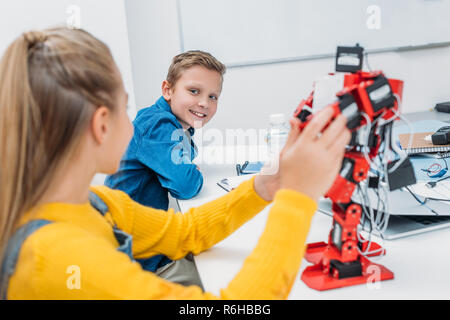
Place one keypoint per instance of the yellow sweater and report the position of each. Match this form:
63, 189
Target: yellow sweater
81, 239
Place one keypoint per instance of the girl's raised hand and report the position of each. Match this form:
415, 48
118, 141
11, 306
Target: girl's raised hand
312, 158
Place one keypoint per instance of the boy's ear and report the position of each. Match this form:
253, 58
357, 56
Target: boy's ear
100, 124
166, 90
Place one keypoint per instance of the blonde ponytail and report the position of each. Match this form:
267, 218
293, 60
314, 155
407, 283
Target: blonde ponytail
51, 81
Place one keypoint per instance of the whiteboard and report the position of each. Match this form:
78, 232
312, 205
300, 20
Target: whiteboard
246, 32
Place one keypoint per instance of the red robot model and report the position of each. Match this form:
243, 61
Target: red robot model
370, 103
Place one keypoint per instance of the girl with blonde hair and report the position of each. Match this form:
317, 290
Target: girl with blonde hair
62, 120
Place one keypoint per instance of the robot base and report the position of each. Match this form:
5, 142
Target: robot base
315, 251
322, 276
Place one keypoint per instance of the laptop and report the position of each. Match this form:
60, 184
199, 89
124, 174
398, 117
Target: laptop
407, 217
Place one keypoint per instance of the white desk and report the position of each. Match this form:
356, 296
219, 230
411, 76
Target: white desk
421, 263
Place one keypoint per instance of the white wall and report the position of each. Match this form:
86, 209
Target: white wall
105, 19
144, 36
251, 94
154, 41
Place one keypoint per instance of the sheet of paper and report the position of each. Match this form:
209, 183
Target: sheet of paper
440, 191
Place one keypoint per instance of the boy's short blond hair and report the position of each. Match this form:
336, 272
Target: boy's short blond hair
190, 59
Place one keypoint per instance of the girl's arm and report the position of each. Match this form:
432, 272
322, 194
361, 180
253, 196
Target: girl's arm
177, 234
66, 262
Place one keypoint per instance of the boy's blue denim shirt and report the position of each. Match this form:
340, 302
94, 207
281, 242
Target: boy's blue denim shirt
158, 160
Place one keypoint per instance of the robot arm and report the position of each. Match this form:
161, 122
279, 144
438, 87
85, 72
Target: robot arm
368, 99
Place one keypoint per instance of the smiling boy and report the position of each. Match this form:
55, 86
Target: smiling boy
159, 158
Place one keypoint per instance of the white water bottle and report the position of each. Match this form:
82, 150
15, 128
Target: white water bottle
278, 133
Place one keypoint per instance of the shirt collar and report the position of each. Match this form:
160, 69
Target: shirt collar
164, 105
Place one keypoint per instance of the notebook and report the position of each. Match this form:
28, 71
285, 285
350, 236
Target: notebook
420, 144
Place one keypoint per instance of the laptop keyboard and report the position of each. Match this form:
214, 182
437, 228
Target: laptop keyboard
427, 220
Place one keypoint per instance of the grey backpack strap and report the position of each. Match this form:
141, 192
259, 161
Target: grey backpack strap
124, 239
183, 271
12, 251
98, 203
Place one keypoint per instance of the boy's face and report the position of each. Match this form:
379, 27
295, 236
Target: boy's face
193, 99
